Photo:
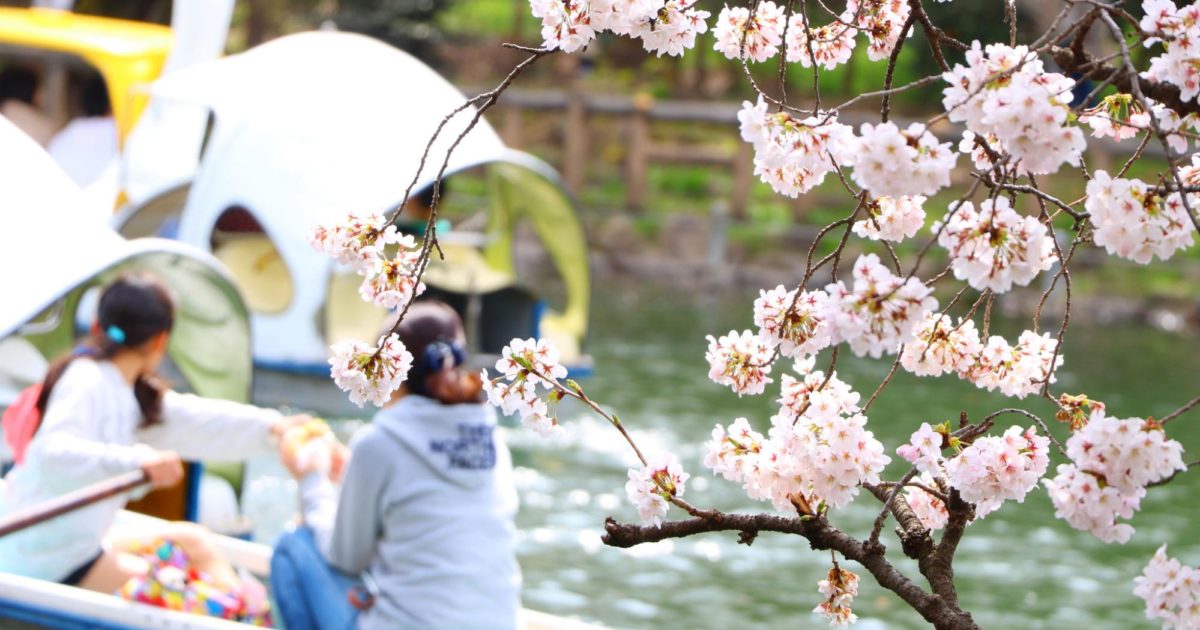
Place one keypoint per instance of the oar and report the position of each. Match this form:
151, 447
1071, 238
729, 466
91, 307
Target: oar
71, 501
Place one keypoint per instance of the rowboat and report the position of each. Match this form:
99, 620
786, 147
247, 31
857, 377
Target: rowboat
69, 608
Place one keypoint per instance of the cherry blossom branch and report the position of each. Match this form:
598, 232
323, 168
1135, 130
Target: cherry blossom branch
821, 536
1188, 406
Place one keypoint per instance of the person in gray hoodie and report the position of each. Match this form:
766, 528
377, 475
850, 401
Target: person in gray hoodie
421, 534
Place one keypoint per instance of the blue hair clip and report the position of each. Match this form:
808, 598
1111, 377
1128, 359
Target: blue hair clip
115, 333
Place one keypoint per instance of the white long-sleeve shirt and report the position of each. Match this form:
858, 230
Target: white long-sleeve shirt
90, 433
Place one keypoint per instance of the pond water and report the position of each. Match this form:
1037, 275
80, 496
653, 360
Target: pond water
1017, 568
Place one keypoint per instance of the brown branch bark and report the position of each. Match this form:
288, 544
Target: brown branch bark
821, 536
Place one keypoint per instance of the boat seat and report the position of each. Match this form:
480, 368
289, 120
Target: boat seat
258, 270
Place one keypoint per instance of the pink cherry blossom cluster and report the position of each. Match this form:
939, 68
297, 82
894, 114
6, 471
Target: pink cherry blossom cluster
818, 448
929, 509
529, 370
1006, 92
890, 161
1019, 370
758, 37
354, 241
650, 486
839, 588
1133, 221
995, 469
740, 360
973, 145
1120, 117
1171, 590
1180, 29
664, 26
941, 347
892, 218
792, 323
879, 312
814, 396
994, 247
361, 244
370, 373
1112, 462
793, 155
832, 44
924, 448
882, 21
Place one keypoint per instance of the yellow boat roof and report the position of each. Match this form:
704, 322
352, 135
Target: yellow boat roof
128, 54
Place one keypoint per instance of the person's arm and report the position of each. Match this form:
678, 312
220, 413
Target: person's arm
347, 528
69, 440
207, 428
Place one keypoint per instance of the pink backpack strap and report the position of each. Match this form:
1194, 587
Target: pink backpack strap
21, 420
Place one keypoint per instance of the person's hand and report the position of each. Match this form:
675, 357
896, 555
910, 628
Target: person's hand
337, 465
286, 423
163, 468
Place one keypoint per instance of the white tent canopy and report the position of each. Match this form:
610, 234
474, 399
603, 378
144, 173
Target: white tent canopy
52, 250
308, 128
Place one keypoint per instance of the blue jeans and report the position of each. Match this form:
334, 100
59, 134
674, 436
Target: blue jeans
309, 594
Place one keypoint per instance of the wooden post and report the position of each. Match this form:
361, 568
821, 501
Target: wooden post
513, 121
743, 179
575, 139
637, 160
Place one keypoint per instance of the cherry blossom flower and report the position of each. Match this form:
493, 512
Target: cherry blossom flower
1117, 116
1135, 222
882, 21
880, 312
1088, 505
1019, 370
1171, 591
995, 469
1128, 454
758, 37
892, 218
666, 27
839, 588
894, 162
1005, 91
930, 510
1178, 62
793, 155
832, 44
740, 360
941, 347
1077, 411
370, 373
971, 145
924, 449
392, 282
527, 367
354, 241
729, 452
836, 455
566, 24
994, 247
1112, 462
797, 330
814, 396
650, 486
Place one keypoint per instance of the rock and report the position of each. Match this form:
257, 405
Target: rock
685, 236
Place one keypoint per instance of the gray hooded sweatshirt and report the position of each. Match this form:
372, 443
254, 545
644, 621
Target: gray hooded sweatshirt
426, 507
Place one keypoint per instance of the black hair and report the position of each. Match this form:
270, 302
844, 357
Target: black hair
18, 84
133, 309
431, 331
94, 96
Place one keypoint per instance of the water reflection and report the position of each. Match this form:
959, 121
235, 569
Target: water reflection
1018, 568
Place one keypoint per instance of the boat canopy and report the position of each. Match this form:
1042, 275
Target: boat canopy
53, 253
312, 126
126, 53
